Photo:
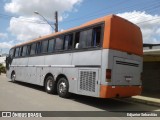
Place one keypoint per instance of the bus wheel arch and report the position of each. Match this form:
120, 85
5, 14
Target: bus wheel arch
13, 76
62, 86
50, 84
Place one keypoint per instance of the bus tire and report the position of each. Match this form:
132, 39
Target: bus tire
50, 86
13, 77
63, 87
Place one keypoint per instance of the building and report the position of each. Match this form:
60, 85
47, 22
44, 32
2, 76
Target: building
151, 67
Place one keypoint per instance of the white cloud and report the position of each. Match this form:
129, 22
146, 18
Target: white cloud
61, 30
44, 7
158, 31
4, 45
24, 30
150, 28
3, 35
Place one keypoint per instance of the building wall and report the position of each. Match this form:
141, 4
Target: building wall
151, 76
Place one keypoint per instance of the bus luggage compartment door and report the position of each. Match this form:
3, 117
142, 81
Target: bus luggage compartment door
126, 72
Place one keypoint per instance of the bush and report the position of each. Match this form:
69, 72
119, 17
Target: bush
2, 69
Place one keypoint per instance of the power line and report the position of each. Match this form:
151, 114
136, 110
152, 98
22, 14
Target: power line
148, 21
93, 14
151, 7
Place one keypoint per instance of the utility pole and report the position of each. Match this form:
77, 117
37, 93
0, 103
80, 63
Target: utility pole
56, 22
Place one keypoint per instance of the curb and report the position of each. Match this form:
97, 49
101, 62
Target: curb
143, 100
148, 102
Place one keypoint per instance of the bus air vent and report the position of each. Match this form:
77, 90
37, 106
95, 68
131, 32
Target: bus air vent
87, 80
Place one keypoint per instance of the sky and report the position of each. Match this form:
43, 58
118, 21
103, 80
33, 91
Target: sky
19, 23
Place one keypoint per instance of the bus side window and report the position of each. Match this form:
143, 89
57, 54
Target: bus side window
96, 36
76, 43
38, 48
44, 46
59, 43
20, 51
28, 49
17, 52
24, 51
85, 39
51, 45
33, 49
68, 42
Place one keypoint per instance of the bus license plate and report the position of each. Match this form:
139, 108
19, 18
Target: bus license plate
128, 78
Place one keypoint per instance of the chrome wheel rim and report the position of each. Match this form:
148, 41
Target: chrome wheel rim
49, 84
62, 87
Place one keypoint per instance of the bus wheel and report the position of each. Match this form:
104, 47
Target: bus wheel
63, 87
13, 77
50, 85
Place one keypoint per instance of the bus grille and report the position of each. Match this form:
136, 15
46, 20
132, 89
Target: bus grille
87, 80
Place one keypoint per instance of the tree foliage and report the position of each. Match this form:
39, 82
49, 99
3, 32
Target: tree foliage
2, 69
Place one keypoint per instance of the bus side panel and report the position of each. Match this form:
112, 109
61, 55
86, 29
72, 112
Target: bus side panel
33, 63
87, 58
89, 65
72, 76
58, 59
55, 63
55, 71
19, 68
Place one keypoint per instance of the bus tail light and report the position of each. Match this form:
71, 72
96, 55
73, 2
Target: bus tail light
108, 75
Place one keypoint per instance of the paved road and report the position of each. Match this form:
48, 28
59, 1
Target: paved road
26, 97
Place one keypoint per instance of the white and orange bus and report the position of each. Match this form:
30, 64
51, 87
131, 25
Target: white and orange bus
101, 58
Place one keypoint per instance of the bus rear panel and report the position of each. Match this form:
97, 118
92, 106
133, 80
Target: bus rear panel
122, 58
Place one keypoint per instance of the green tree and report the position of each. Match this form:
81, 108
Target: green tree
2, 69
